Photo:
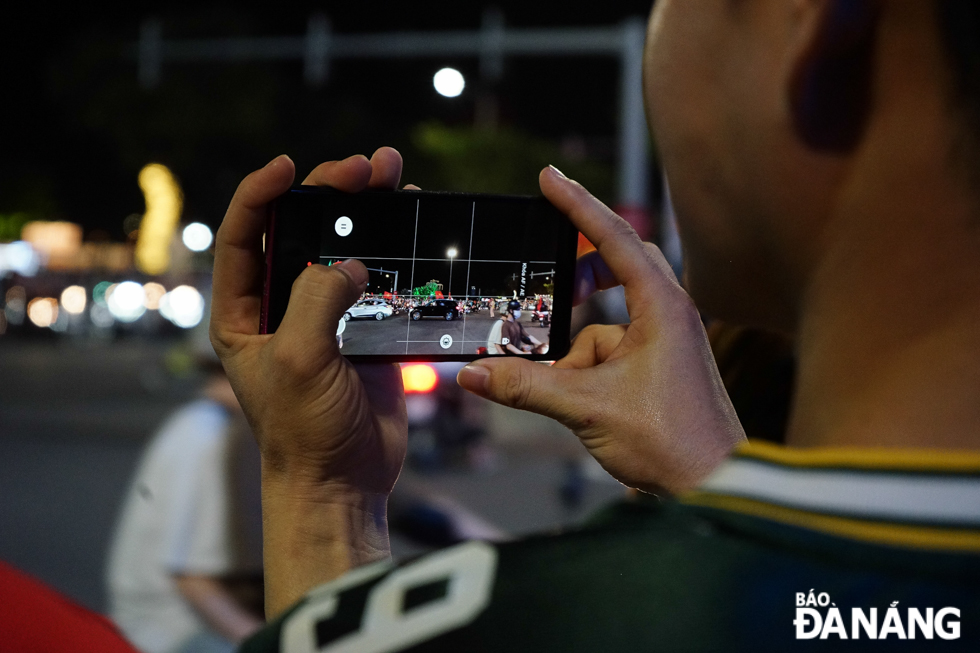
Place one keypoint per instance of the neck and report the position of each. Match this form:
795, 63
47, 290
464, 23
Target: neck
889, 330
889, 323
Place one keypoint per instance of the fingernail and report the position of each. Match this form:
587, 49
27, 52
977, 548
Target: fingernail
353, 272
276, 160
474, 378
558, 172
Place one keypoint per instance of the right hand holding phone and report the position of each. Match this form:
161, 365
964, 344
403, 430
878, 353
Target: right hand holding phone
332, 438
645, 398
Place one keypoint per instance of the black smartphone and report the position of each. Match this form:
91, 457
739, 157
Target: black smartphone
452, 276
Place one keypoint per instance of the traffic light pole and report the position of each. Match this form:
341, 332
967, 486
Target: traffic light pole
320, 47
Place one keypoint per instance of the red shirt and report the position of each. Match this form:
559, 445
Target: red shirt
36, 619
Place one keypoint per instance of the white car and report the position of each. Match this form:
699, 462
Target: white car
379, 309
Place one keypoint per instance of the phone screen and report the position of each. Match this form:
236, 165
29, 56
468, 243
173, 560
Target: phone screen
451, 276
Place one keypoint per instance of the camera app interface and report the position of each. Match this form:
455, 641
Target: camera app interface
448, 274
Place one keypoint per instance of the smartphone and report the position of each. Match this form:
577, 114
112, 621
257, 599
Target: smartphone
449, 273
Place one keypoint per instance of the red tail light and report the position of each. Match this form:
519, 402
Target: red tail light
419, 377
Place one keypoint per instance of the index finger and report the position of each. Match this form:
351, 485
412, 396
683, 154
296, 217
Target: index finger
641, 269
238, 264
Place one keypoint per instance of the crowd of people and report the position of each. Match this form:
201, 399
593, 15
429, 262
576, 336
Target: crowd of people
823, 160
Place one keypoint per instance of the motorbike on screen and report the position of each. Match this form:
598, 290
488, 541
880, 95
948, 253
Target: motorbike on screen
452, 276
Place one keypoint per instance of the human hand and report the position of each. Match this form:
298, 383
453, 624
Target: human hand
315, 420
332, 438
645, 398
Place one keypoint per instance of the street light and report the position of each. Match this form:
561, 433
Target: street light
451, 254
449, 82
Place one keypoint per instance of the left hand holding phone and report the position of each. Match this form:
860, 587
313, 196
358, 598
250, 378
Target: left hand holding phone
333, 438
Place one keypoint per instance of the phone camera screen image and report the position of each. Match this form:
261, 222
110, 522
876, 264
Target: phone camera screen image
452, 276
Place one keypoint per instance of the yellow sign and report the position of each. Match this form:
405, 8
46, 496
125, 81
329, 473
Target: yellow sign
164, 201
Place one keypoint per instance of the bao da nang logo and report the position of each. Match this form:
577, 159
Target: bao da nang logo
819, 617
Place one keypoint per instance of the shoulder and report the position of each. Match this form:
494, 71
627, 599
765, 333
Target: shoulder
201, 420
533, 594
644, 577
190, 433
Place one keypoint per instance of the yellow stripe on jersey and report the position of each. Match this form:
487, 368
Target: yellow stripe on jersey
899, 460
903, 535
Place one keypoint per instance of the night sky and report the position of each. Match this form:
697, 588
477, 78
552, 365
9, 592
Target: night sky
481, 243
75, 127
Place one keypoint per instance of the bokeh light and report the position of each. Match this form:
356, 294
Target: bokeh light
197, 236
164, 202
419, 378
16, 300
42, 311
19, 257
154, 293
126, 301
16, 294
449, 82
184, 306
101, 317
73, 299
99, 291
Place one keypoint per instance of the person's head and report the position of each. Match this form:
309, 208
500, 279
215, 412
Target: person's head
771, 115
514, 309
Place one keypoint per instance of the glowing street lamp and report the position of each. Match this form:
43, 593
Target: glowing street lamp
197, 236
449, 82
451, 254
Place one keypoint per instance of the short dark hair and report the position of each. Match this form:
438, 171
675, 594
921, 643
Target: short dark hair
959, 24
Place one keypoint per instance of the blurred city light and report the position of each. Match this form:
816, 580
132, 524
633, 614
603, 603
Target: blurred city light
16, 300
58, 242
73, 299
60, 322
197, 236
16, 294
184, 306
419, 378
19, 257
164, 202
154, 293
99, 291
126, 301
100, 316
42, 311
449, 82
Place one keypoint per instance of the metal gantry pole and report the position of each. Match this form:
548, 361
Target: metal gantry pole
634, 168
491, 44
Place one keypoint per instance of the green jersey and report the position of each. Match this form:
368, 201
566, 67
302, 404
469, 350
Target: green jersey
778, 550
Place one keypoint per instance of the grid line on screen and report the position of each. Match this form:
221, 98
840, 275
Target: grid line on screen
395, 258
415, 240
466, 289
434, 341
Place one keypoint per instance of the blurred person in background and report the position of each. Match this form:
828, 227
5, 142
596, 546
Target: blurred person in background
823, 156
185, 568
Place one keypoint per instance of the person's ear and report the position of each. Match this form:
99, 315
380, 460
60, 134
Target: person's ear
831, 87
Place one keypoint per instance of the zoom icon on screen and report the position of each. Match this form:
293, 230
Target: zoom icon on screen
343, 226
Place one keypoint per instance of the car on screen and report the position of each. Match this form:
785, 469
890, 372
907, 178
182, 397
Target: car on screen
378, 309
445, 309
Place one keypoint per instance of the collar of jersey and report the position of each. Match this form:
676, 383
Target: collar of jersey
925, 499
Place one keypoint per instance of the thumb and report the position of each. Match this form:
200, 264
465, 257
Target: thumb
317, 302
520, 384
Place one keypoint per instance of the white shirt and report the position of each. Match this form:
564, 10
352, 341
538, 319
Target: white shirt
494, 338
177, 519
